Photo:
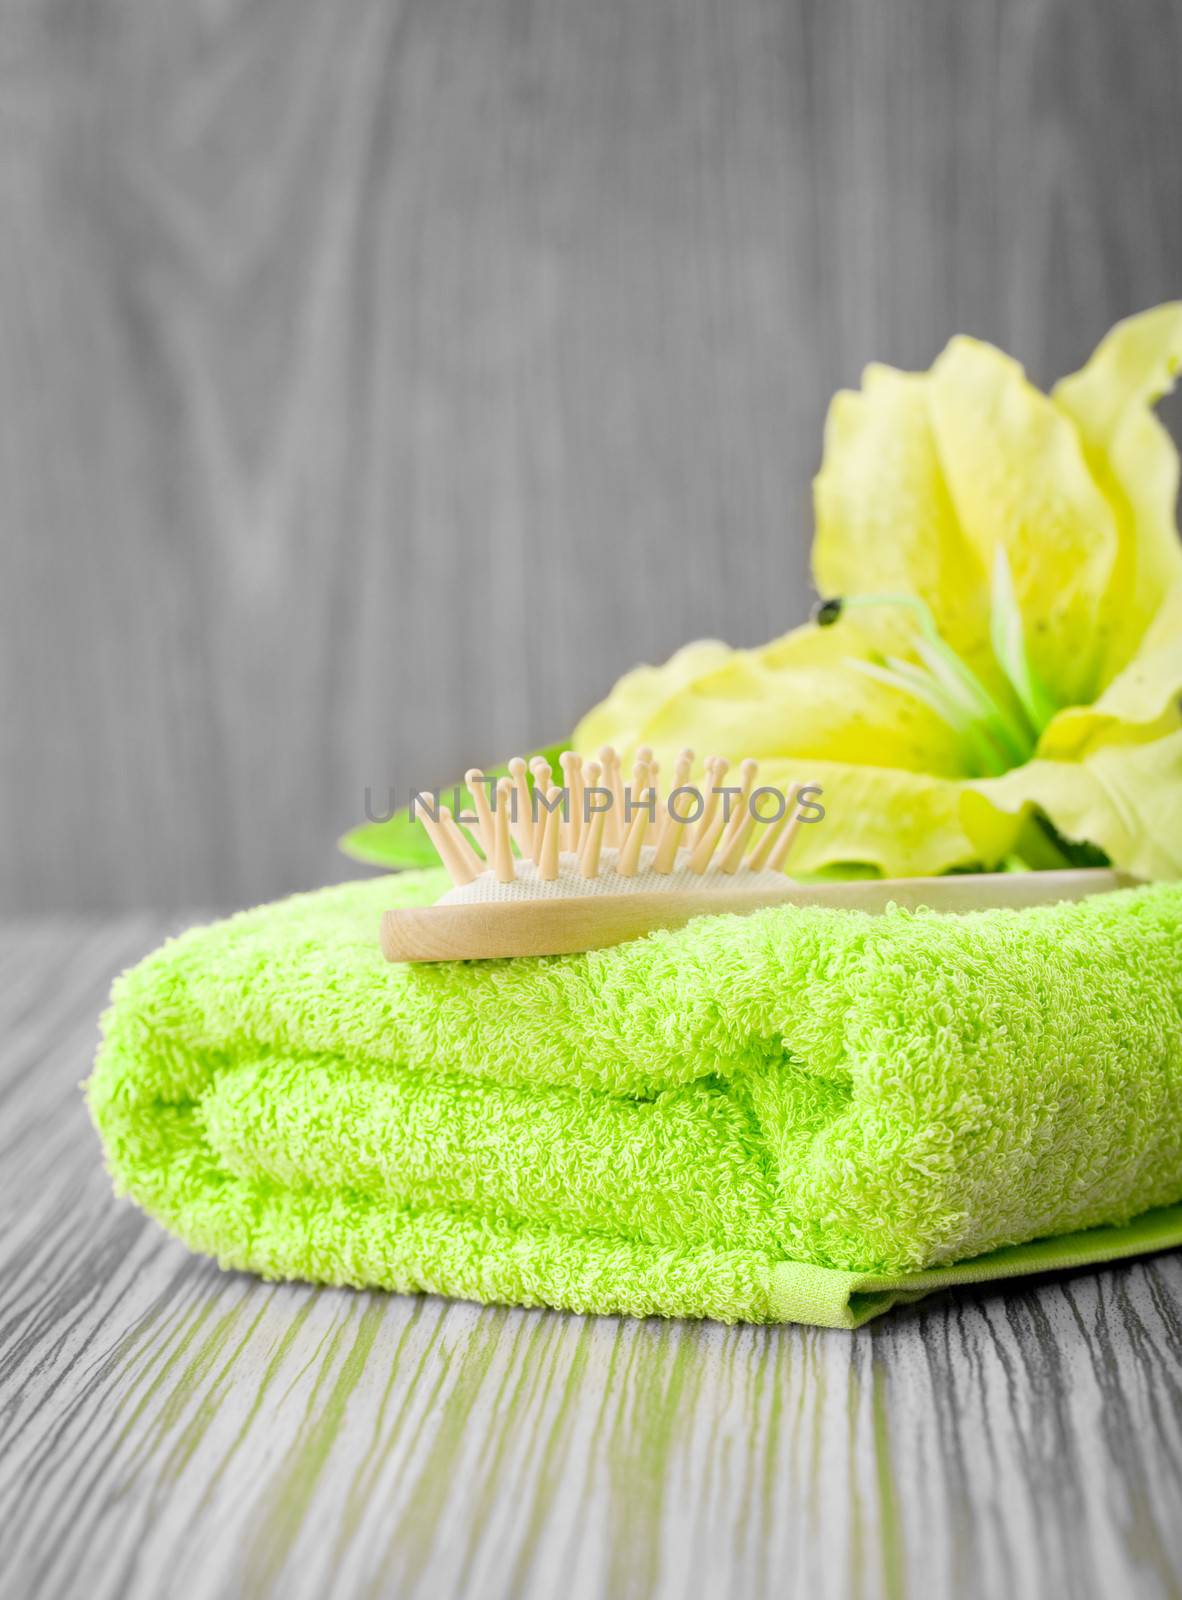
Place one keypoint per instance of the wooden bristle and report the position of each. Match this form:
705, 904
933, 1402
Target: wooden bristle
673, 835
682, 770
783, 845
748, 772
738, 829
670, 834
716, 771
769, 832
590, 780
522, 822
629, 856
592, 845
572, 777
478, 785
502, 860
705, 843
613, 780
457, 855
737, 839
542, 776
552, 839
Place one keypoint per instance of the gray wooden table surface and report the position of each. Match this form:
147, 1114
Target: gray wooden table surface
167, 1429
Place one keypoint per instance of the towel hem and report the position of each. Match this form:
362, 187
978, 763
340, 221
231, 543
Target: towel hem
827, 1297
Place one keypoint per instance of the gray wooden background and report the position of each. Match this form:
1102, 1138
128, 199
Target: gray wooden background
378, 380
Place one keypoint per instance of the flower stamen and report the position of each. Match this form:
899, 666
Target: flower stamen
994, 740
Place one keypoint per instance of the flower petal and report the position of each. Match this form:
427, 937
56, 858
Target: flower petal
1134, 461
799, 698
1017, 477
885, 519
1122, 797
1142, 702
878, 821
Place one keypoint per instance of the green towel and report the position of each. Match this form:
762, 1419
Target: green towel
802, 1115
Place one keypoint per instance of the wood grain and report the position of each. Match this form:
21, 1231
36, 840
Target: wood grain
346, 351
170, 1430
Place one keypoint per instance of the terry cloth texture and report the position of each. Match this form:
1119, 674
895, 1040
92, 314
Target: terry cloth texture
801, 1115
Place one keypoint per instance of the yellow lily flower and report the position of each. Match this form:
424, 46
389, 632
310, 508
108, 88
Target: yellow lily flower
1007, 649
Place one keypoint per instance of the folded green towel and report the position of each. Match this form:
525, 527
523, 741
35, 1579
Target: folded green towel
802, 1115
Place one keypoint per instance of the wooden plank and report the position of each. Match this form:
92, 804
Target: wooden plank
167, 1429
339, 340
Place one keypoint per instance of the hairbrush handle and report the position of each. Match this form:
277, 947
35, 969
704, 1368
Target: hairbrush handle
488, 929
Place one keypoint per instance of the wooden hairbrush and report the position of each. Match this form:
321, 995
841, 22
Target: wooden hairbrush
553, 868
